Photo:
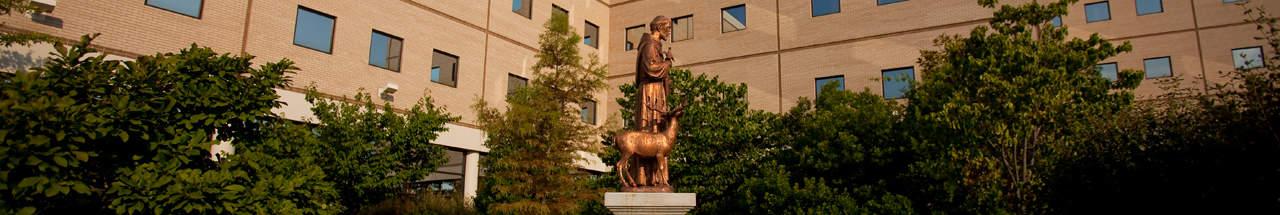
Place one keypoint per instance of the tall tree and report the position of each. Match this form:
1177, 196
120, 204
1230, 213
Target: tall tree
533, 144
994, 106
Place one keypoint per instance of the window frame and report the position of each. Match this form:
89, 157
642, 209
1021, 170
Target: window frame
878, 3
673, 29
586, 33
1086, 11
884, 88
199, 15
555, 8
457, 62
1146, 72
399, 63
333, 29
1262, 57
511, 90
813, 8
1138, 8
594, 107
1115, 65
526, 6
817, 89
743, 20
628, 36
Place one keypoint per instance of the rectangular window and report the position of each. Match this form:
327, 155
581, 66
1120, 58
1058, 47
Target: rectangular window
1158, 67
444, 68
1247, 58
190, 8
1108, 71
557, 10
384, 51
1056, 21
897, 81
821, 82
1234, 1
592, 36
1097, 11
588, 111
884, 2
1150, 6
313, 30
682, 28
634, 34
824, 7
733, 18
522, 7
515, 82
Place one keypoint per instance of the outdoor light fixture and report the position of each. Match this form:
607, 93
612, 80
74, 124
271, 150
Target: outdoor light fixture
386, 91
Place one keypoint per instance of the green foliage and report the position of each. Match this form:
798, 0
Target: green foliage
533, 144
372, 151
421, 204
21, 6
997, 105
87, 135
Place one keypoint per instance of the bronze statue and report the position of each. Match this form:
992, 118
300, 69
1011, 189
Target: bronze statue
655, 133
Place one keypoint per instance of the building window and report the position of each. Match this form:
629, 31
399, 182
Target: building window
592, 36
1234, 1
1158, 67
522, 7
1150, 6
1108, 71
1247, 58
897, 81
384, 51
821, 82
190, 8
1097, 11
444, 68
682, 28
1056, 21
824, 7
588, 112
557, 10
515, 82
884, 2
733, 18
313, 30
634, 34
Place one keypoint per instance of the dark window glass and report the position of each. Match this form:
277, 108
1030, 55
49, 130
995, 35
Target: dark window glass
313, 30
592, 36
1108, 71
682, 28
820, 82
733, 18
384, 51
515, 82
588, 112
1097, 11
1150, 6
824, 7
444, 68
634, 34
557, 10
897, 81
1247, 58
522, 7
1234, 1
185, 7
884, 2
1158, 67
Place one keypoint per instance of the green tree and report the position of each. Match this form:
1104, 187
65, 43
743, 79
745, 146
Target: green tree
371, 151
86, 135
996, 105
530, 165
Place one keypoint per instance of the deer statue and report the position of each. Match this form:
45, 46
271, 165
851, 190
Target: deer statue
648, 145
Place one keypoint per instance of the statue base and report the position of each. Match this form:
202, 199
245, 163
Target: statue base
650, 203
649, 189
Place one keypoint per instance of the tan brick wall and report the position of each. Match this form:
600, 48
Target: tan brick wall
135, 27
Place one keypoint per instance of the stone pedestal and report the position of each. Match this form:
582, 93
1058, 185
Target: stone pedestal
650, 203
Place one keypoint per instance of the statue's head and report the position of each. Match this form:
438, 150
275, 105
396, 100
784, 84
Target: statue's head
662, 26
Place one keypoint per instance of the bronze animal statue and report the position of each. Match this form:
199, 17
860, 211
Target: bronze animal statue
644, 144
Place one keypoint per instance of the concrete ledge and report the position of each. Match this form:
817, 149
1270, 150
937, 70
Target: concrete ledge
650, 203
